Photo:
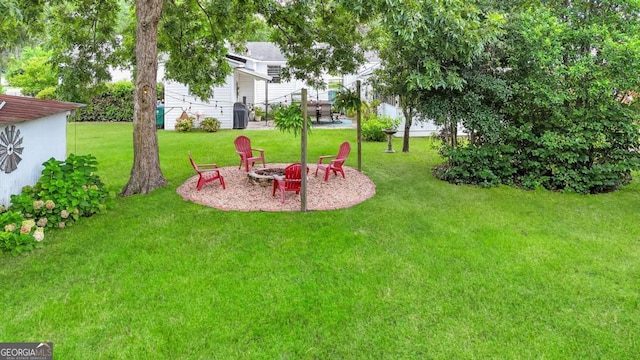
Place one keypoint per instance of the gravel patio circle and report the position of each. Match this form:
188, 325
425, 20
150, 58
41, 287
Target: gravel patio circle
241, 195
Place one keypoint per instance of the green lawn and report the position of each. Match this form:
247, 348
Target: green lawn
422, 270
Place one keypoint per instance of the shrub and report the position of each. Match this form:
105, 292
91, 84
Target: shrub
114, 103
66, 191
372, 127
47, 93
185, 124
18, 235
210, 124
478, 165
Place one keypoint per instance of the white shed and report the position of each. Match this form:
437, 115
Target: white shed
31, 132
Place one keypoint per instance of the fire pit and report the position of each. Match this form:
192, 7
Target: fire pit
264, 177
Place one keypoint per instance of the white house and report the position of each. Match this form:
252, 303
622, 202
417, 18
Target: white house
31, 132
255, 82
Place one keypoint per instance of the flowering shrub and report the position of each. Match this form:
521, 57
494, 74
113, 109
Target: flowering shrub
18, 235
185, 124
66, 191
210, 124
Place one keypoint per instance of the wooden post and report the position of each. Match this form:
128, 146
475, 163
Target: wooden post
303, 150
359, 127
266, 102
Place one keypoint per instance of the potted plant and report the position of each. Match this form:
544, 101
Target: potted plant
259, 113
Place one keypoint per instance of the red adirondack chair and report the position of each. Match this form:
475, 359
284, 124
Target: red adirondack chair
243, 148
207, 173
334, 165
290, 181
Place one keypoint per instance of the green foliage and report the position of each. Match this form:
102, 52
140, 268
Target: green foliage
185, 124
485, 166
47, 93
372, 127
32, 71
316, 37
114, 103
258, 111
275, 109
18, 235
210, 124
85, 45
66, 191
430, 53
346, 100
289, 119
564, 126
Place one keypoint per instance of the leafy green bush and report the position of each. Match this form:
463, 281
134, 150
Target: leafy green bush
18, 235
275, 109
210, 124
289, 119
115, 103
66, 191
47, 93
373, 126
185, 124
477, 165
32, 71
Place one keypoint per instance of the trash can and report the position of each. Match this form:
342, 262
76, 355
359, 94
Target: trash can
160, 116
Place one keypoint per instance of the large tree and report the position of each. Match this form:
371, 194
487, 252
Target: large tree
145, 174
566, 126
19, 21
315, 37
433, 55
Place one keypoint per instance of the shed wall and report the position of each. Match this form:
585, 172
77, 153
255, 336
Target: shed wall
42, 139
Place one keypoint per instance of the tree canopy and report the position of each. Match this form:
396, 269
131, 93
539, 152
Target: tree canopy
565, 125
542, 87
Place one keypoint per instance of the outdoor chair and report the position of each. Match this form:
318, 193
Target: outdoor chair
207, 173
290, 181
334, 165
244, 150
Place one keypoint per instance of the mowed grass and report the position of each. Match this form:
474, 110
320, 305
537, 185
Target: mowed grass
424, 269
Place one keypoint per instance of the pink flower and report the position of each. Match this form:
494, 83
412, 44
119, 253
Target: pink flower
61, 225
42, 222
49, 204
38, 204
26, 226
64, 214
9, 227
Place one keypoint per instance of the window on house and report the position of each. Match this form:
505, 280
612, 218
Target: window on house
274, 72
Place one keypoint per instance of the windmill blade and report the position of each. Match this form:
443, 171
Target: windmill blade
10, 134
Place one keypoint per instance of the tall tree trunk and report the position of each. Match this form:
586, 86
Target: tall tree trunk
454, 133
146, 175
408, 113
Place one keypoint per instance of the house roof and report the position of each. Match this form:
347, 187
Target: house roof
253, 74
264, 51
22, 108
